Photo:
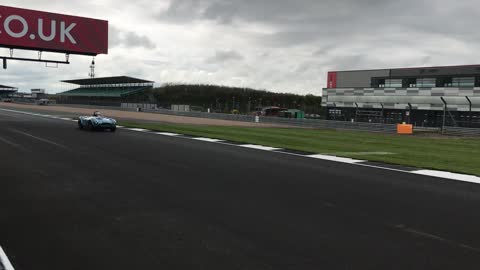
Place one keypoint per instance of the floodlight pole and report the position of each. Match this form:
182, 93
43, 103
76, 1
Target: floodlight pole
92, 69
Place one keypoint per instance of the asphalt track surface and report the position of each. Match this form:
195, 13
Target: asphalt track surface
73, 199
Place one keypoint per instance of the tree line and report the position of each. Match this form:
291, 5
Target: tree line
225, 99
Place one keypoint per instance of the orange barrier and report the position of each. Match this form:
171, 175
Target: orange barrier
404, 129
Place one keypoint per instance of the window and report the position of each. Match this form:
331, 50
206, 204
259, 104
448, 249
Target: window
412, 82
381, 83
426, 82
393, 83
463, 82
447, 82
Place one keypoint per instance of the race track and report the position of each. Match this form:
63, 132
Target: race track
73, 199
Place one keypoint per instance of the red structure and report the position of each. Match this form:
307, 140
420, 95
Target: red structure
51, 32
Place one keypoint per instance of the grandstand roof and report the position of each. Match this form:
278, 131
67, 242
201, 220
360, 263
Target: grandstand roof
103, 91
108, 80
5, 88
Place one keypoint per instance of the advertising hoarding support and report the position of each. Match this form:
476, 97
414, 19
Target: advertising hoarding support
11, 57
50, 32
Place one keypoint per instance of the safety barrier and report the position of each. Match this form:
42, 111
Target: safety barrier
460, 131
309, 123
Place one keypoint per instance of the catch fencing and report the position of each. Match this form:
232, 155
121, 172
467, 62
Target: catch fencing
460, 131
311, 123
306, 123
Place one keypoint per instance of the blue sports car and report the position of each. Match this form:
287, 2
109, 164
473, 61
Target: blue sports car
97, 122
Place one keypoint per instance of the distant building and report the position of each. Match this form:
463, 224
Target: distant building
38, 93
109, 91
7, 91
421, 96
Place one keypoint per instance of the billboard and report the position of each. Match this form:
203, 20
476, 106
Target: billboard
332, 80
51, 32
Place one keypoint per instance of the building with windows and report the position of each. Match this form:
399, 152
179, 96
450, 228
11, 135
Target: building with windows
7, 91
426, 96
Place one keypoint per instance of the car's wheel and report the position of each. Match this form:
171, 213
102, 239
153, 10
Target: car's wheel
80, 126
113, 129
89, 125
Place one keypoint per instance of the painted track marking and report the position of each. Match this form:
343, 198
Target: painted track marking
449, 175
337, 159
208, 140
39, 139
167, 134
260, 147
5, 261
12, 144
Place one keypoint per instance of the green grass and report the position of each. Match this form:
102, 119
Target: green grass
441, 153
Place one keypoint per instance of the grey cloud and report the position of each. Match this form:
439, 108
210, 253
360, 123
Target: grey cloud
128, 39
181, 11
303, 21
225, 56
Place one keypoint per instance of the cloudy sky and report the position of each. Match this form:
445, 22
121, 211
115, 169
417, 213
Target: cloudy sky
278, 45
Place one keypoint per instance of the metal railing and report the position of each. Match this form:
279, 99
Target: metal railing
461, 131
309, 123
330, 124
218, 116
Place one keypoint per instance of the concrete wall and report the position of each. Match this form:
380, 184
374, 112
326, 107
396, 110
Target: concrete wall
436, 71
359, 78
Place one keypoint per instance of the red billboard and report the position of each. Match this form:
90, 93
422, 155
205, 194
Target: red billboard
51, 32
332, 80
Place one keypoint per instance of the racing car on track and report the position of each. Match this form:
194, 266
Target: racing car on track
97, 122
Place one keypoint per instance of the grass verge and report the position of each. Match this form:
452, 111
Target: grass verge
460, 155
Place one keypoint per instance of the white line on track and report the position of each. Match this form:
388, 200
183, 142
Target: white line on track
360, 153
167, 134
449, 175
337, 159
435, 237
431, 173
39, 139
208, 140
138, 129
12, 143
260, 147
5, 261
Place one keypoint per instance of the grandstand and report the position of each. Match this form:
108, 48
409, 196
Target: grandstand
7, 91
109, 91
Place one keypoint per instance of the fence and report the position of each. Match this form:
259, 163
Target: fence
219, 116
306, 123
142, 106
460, 131
312, 123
